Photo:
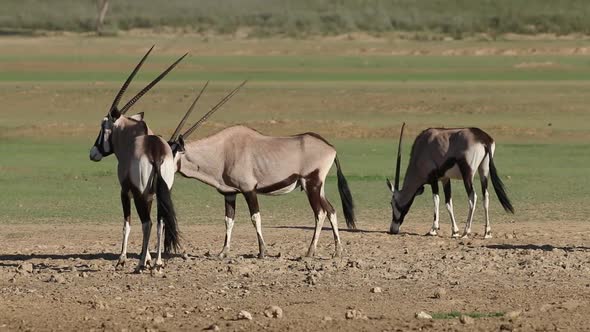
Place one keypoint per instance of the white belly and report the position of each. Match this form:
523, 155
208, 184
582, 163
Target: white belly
284, 190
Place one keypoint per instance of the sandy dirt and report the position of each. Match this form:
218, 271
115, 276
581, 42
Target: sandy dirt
63, 277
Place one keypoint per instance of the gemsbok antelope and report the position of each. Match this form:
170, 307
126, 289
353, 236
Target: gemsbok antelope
145, 167
440, 154
239, 159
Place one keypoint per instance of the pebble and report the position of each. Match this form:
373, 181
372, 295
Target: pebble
355, 314
512, 314
423, 315
25, 268
212, 327
57, 279
273, 312
440, 293
244, 315
327, 319
376, 290
506, 327
464, 319
158, 320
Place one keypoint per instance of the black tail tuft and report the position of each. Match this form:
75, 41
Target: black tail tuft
499, 186
166, 213
346, 197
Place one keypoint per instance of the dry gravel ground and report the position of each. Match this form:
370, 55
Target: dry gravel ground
63, 277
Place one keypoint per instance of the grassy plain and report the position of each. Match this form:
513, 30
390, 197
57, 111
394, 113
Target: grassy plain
53, 92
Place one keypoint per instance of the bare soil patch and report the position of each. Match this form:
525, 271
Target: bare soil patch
531, 276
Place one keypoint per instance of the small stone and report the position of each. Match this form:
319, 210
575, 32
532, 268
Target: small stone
158, 320
440, 293
376, 290
25, 268
327, 319
464, 319
57, 279
212, 327
512, 314
506, 327
168, 315
423, 315
273, 312
244, 315
355, 314
406, 251
84, 275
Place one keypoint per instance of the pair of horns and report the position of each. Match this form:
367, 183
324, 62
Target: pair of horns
175, 135
399, 159
114, 107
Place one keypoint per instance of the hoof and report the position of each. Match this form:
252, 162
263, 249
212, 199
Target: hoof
455, 235
465, 235
487, 236
120, 264
222, 255
158, 268
337, 253
310, 253
432, 232
141, 269
261, 255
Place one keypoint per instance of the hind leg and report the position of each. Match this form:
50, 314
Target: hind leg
486, 203
334, 223
436, 200
252, 201
160, 232
313, 189
449, 205
230, 212
467, 175
143, 205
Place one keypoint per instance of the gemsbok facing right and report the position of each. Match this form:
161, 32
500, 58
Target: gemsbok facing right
440, 154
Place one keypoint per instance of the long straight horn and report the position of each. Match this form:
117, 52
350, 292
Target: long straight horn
215, 108
129, 79
188, 113
399, 158
151, 85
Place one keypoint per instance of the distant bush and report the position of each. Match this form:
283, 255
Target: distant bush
456, 18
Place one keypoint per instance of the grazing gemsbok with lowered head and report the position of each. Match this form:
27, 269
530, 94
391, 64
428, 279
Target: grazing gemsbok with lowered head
239, 159
440, 154
146, 167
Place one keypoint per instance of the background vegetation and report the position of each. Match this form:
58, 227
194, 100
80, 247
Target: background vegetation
456, 18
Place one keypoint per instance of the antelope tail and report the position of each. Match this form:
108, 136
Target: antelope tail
166, 212
499, 185
345, 196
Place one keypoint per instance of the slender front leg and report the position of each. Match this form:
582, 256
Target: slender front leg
252, 201
449, 204
126, 202
436, 200
230, 213
486, 207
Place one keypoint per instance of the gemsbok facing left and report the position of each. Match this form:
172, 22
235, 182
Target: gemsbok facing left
441, 154
146, 168
240, 160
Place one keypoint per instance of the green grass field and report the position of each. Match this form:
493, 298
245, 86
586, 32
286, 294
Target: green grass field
52, 101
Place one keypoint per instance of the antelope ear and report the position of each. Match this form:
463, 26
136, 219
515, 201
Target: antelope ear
137, 117
181, 143
114, 114
420, 191
389, 184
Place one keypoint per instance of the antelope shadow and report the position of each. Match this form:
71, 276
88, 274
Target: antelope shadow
543, 247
